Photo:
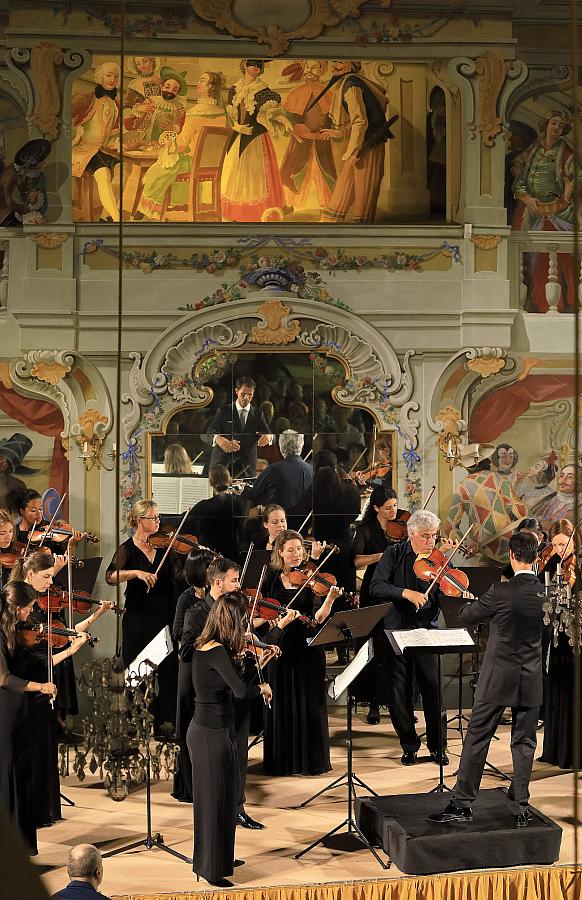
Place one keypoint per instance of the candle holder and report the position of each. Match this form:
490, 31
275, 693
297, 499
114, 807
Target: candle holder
562, 610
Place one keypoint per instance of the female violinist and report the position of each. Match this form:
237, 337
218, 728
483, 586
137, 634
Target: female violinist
16, 786
377, 530
38, 569
150, 602
296, 740
9, 552
264, 528
27, 504
559, 714
194, 572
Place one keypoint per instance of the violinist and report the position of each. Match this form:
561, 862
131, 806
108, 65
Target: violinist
194, 572
530, 525
296, 740
8, 551
272, 520
16, 787
559, 714
28, 505
371, 539
217, 685
216, 521
150, 603
38, 569
395, 580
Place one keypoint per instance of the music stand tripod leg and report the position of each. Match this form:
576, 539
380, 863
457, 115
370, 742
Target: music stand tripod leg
441, 787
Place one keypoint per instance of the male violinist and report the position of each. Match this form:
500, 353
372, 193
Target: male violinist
412, 607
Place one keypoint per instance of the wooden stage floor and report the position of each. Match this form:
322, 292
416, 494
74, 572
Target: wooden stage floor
269, 853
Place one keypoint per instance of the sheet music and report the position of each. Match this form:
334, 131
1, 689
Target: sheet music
193, 489
155, 652
176, 493
432, 637
345, 678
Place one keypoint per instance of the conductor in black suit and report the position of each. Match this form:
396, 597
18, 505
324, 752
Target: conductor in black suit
238, 430
511, 676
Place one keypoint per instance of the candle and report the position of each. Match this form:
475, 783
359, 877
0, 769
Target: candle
547, 578
559, 570
568, 592
85, 447
450, 448
114, 447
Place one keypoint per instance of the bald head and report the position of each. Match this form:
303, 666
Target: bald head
84, 864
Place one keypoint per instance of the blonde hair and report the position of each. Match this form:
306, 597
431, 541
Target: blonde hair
280, 541
176, 460
138, 511
5, 517
33, 563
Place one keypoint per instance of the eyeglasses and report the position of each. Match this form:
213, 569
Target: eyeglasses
151, 518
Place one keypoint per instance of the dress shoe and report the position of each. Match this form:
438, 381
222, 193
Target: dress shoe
440, 757
224, 882
523, 819
373, 717
408, 758
452, 813
237, 862
244, 820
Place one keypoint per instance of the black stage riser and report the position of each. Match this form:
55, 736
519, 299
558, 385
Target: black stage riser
399, 825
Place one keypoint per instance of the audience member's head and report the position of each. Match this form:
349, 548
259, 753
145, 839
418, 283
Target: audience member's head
84, 863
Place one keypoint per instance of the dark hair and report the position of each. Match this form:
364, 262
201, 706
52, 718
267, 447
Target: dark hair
34, 562
260, 63
378, 497
226, 622
13, 596
220, 567
268, 510
219, 478
562, 526
196, 566
245, 381
533, 525
524, 546
19, 498
324, 459
495, 454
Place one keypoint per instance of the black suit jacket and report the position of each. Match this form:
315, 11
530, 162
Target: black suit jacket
511, 674
227, 423
283, 482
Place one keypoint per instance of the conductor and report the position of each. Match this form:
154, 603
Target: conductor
511, 676
237, 430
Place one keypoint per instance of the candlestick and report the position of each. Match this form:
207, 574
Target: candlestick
547, 581
85, 448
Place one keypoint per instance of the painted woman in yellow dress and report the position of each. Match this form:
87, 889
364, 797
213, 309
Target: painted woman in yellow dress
177, 150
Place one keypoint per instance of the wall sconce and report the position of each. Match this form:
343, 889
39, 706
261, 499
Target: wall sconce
450, 425
92, 453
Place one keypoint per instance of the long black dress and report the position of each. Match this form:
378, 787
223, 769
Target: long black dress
331, 522
16, 786
212, 745
145, 614
558, 707
296, 740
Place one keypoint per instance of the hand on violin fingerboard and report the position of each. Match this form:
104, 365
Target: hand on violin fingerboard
317, 549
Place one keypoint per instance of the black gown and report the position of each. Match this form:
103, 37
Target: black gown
182, 788
558, 708
16, 786
296, 740
212, 745
145, 614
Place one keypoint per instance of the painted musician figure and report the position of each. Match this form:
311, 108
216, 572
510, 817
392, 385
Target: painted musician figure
395, 580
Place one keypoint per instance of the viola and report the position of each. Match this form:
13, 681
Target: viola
397, 529
451, 581
30, 634
56, 599
319, 583
269, 609
183, 544
59, 533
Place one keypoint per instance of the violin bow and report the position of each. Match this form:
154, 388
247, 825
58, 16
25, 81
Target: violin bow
309, 452
172, 542
49, 651
70, 586
259, 586
305, 521
252, 636
357, 461
430, 493
311, 577
246, 563
446, 562
50, 524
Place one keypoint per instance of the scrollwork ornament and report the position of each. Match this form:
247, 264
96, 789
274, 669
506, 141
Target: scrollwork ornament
44, 62
492, 71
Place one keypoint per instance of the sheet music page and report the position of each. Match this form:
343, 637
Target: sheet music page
193, 489
155, 652
460, 637
166, 492
433, 637
345, 678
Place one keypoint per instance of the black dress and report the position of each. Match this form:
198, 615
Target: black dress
558, 708
144, 616
212, 745
296, 740
216, 522
16, 786
331, 523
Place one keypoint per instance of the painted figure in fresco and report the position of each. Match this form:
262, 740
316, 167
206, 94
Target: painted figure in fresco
308, 168
560, 503
251, 186
176, 155
504, 460
160, 112
358, 111
543, 187
12, 452
96, 119
147, 82
23, 198
535, 485
486, 500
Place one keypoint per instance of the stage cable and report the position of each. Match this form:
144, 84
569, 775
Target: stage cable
577, 692
120, 236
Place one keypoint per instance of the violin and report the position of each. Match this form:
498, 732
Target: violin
259, 650
56, 599
568, 563
183, 544
451, 582
397, 529
30, 634
319, 583
59, 533
17, 550
268, 609
365, 476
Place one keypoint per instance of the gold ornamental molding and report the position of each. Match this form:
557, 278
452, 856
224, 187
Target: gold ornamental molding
486, 241
319, 14
450, 425
50, 371
275, 327
49, 240
44, 62
486, 365
492, 71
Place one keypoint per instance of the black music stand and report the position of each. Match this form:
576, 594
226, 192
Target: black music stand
432, 640
344, 627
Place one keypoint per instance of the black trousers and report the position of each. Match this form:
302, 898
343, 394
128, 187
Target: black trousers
401, 671
484, 721
242, 721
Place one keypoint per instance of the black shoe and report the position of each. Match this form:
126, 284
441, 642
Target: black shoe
522, 819
238, 862
440, 757
373, 717
244, 820
408, 758
224, 882
452, 813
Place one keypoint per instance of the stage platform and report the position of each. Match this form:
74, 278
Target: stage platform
399, 825
269, 854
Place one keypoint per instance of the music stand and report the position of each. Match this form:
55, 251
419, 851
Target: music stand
346, 626
436, 641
